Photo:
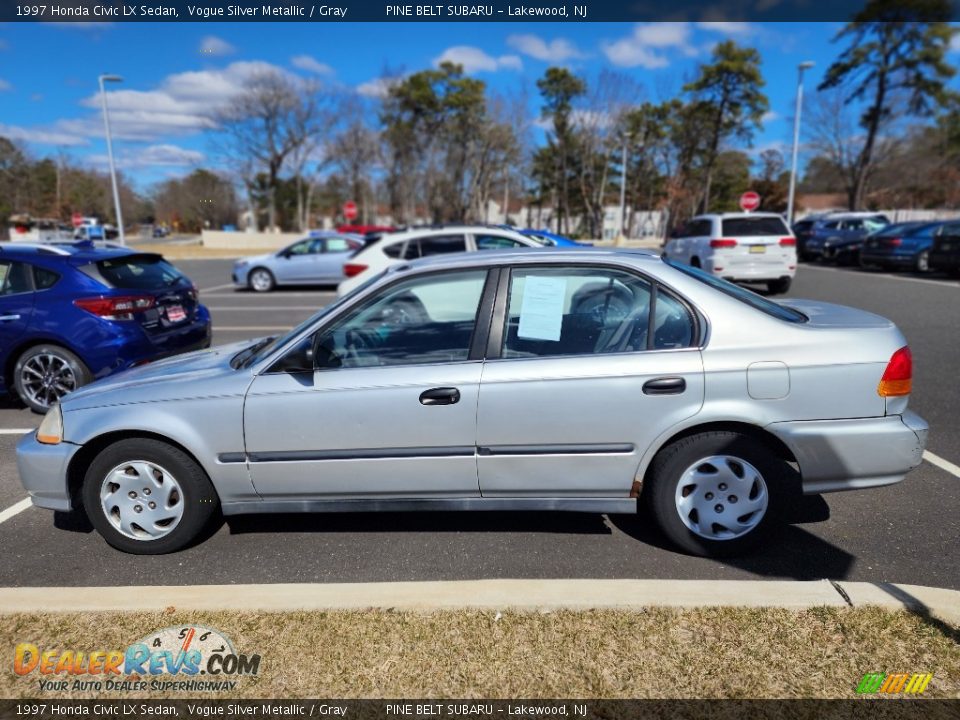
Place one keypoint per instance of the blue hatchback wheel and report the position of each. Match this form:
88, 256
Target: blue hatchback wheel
45, 373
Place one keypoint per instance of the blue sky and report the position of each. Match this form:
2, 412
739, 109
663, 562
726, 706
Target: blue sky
175, 74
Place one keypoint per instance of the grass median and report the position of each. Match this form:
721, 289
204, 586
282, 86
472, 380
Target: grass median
658, 653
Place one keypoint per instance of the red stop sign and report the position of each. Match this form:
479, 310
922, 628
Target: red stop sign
76, 219
749, 201
350, 210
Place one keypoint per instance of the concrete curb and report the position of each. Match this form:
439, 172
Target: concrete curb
538, 595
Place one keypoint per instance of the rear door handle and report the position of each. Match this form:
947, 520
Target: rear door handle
665, 386
9, 318
440, 396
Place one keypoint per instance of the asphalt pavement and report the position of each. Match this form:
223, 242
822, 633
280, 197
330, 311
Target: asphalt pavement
907, 533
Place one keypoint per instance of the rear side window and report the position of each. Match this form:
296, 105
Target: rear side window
754, 227
781, 312
136, 272
14, 278
439, 244
496, 242
43, 278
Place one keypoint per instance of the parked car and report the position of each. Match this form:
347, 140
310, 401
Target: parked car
549, 239
838, 236
743, 247
393, 248
803, 231
945, 253
315, 260
72, 313
905, 246
581, 380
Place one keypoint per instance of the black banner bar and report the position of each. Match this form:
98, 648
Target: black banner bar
117, 11
112, 708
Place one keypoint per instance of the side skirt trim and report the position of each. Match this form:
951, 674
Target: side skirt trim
588, 505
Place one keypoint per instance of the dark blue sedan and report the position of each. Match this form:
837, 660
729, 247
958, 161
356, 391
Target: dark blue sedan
903, 246
72, 313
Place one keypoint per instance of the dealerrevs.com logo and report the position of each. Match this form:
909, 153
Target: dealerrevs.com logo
894, 683
186, 657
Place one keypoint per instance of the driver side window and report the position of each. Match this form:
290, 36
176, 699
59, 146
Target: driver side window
425, 320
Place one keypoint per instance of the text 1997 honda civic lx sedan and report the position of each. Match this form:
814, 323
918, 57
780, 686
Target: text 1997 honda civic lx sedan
589, 380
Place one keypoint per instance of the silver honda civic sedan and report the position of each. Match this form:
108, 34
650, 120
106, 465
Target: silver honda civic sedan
590, 380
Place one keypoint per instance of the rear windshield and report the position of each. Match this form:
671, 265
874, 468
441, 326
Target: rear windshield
138, 272
754, 226
781, 312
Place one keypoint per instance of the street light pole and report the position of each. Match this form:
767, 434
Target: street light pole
623, 189
796, 139
113, 170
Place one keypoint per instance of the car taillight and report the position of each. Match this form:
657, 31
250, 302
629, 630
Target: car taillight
723, 243
788, 242
352, 269
898, 377
894, 242
116, 308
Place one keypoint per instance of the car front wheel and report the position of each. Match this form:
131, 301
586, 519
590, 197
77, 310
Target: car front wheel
717, 494
147, 497
262, 280
43, 374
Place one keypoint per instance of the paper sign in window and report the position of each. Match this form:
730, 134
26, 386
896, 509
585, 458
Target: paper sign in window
541, 312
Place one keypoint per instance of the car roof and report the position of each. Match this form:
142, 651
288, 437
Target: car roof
442, 229
730, 215
76, 253
491, 258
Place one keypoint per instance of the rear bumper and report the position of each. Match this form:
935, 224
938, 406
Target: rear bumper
43, 471
855, 454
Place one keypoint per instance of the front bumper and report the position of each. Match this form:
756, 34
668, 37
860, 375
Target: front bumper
837, 455
43, 471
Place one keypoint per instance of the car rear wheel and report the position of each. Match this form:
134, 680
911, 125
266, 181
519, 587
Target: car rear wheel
147, 497
717, 494
261, 280
779, 287
43, 374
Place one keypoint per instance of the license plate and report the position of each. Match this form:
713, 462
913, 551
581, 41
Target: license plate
176, 313
758, 248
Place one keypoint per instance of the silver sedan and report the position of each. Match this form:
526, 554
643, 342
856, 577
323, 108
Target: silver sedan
589, 380
316, 260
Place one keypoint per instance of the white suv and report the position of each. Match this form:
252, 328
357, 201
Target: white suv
392, 248
746, 247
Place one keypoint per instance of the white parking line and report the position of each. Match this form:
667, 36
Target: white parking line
257, 328
938, 283
15, 509
941, 463
16, 431
216, 287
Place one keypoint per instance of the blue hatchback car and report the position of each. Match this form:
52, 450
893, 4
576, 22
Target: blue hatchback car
73, 313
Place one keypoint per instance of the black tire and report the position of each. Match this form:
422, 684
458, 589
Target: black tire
200, 501
695, 262
270, 282
673, 461
40, 400
779, 287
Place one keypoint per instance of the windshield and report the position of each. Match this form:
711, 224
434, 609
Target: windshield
781, 312
256, 352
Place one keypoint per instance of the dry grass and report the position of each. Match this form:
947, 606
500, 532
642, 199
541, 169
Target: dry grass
707, 653
198, 252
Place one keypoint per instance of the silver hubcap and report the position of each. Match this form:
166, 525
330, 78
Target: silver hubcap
141, 500
923, 262
721, 497
260, 281
46, 378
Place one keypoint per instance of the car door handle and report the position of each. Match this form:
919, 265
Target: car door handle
440, 396
9, 318
665, 386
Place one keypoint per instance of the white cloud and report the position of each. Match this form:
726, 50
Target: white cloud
152, 156
647, 45
476, 60
41, 136
580, 117
90, 26
378, 87
555, 51
955, 43
769, 116
305, 62
739, 29
216, 47
4, 85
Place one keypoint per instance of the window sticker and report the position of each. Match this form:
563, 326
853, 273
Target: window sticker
541, 312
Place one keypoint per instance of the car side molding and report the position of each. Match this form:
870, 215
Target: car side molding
613, 506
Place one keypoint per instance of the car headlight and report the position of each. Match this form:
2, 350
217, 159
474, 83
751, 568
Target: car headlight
50, 431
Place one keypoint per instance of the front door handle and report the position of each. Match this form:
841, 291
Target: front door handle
9, 318
665, 386
440, 396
